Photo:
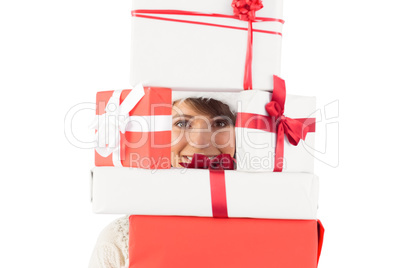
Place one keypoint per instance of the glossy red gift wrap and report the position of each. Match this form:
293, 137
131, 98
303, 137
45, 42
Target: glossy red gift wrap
197, 242
145, 140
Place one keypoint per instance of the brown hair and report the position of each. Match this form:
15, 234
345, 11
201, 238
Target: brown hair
212, 107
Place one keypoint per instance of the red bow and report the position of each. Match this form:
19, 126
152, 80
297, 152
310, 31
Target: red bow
220, 162
245, 9
294, 129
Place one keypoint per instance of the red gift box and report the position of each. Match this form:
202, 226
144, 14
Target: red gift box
139, 128
182, 242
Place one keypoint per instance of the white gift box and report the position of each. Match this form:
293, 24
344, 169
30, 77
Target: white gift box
187, 192
172, 51
255, 148
229, 98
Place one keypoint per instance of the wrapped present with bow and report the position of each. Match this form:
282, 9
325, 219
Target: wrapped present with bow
275, 131
206, 45
133, 128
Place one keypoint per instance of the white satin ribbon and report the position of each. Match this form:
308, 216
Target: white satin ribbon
113, 121
150, 123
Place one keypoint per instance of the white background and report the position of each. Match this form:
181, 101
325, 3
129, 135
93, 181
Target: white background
57, 54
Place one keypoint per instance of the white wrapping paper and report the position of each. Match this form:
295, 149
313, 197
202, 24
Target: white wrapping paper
189, 56
255, 149
186, 192
229, 98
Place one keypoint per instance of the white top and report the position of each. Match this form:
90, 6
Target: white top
111, 249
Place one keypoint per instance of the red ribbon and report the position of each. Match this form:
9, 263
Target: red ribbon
245, 10
242, 9
247, 80
295, 130
216, 168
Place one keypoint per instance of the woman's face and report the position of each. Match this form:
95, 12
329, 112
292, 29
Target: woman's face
195, 133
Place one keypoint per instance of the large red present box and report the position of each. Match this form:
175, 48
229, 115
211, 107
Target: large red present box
196, 242
134, 128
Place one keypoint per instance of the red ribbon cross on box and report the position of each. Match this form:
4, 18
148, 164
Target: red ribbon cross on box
216, 168
276, 122
294, 129
244, 10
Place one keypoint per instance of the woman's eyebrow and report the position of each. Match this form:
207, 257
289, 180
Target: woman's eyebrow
182, 115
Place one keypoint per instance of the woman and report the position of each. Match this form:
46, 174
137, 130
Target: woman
199, 125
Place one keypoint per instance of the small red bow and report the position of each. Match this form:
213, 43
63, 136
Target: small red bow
294, 129
245, 9
220, 162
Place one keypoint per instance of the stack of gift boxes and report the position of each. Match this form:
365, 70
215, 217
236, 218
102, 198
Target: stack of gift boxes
259, 212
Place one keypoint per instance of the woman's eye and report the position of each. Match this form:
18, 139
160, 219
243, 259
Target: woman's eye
182, 124
220, 123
